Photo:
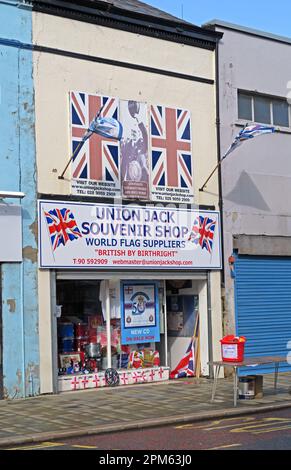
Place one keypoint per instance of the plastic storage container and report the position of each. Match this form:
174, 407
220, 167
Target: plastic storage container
232, 348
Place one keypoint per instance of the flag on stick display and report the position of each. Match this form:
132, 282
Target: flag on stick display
248, 132
106, 126
185, 368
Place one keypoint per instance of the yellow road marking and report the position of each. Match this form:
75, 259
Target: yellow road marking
256, 422
84, 447
225, 447
272, 429
247, 424
215, 423
252, 428
39, 446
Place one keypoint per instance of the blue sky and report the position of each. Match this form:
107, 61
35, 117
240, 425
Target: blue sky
266, 15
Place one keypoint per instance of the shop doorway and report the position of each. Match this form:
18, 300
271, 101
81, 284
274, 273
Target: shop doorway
182, 323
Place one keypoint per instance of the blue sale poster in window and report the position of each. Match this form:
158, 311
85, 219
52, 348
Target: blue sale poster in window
139, 312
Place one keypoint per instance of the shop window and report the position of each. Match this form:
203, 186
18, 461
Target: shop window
82, 330
142, 342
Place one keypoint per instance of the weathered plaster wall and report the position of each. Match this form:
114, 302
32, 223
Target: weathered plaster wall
18, 173
256, 177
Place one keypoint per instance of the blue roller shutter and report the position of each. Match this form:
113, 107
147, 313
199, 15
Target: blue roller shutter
263, 307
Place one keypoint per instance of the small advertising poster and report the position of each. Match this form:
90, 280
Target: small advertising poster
134, 150
140, 313
171, 155
95, 168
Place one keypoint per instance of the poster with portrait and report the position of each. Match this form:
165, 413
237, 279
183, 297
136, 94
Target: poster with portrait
134, 150
140, 313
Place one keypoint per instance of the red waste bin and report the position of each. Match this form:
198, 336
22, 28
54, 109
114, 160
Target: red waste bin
232, 348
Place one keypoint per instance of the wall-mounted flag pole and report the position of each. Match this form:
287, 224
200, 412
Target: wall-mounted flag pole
105, 126
248, 132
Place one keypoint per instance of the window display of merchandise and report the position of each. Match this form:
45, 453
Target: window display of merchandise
82, 333
82, 345
83, 349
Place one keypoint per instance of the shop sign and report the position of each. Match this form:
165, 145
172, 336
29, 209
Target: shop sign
139, 313
11, 233
94, 236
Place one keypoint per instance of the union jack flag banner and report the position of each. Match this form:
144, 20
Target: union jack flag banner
98, 159
185, 368
62, 227
203, 232
171, 153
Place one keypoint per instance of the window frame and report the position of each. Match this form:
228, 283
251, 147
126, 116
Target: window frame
271, 99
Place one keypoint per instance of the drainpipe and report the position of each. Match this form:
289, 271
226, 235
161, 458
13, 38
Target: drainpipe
54, 332
218, 141
209, 321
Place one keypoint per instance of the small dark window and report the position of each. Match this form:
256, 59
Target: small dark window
262, 110
245, 107
280, 113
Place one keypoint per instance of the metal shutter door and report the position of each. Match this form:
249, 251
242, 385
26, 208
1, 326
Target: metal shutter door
263, 307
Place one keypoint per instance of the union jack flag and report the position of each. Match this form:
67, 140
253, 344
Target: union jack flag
62, 227
185, 368
203, 232
171, 147
98, 159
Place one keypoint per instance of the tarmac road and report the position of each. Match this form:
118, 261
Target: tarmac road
267, 431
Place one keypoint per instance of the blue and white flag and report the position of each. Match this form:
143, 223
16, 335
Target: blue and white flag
249, 132
107, 127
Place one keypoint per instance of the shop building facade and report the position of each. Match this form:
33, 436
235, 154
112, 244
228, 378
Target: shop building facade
19, 339
129, 252
129, 281
254, 71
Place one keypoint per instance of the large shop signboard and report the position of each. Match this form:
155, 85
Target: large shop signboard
94, 236
152, 161
140, 313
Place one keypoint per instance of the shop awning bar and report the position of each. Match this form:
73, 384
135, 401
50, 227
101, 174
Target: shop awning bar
144, 275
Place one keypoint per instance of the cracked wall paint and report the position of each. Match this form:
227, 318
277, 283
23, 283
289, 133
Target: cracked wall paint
30, 253
11, 305
17, 154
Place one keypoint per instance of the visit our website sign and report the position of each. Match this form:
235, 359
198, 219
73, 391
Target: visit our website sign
87, 235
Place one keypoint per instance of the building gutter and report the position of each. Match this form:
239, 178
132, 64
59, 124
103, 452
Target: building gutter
135, 22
